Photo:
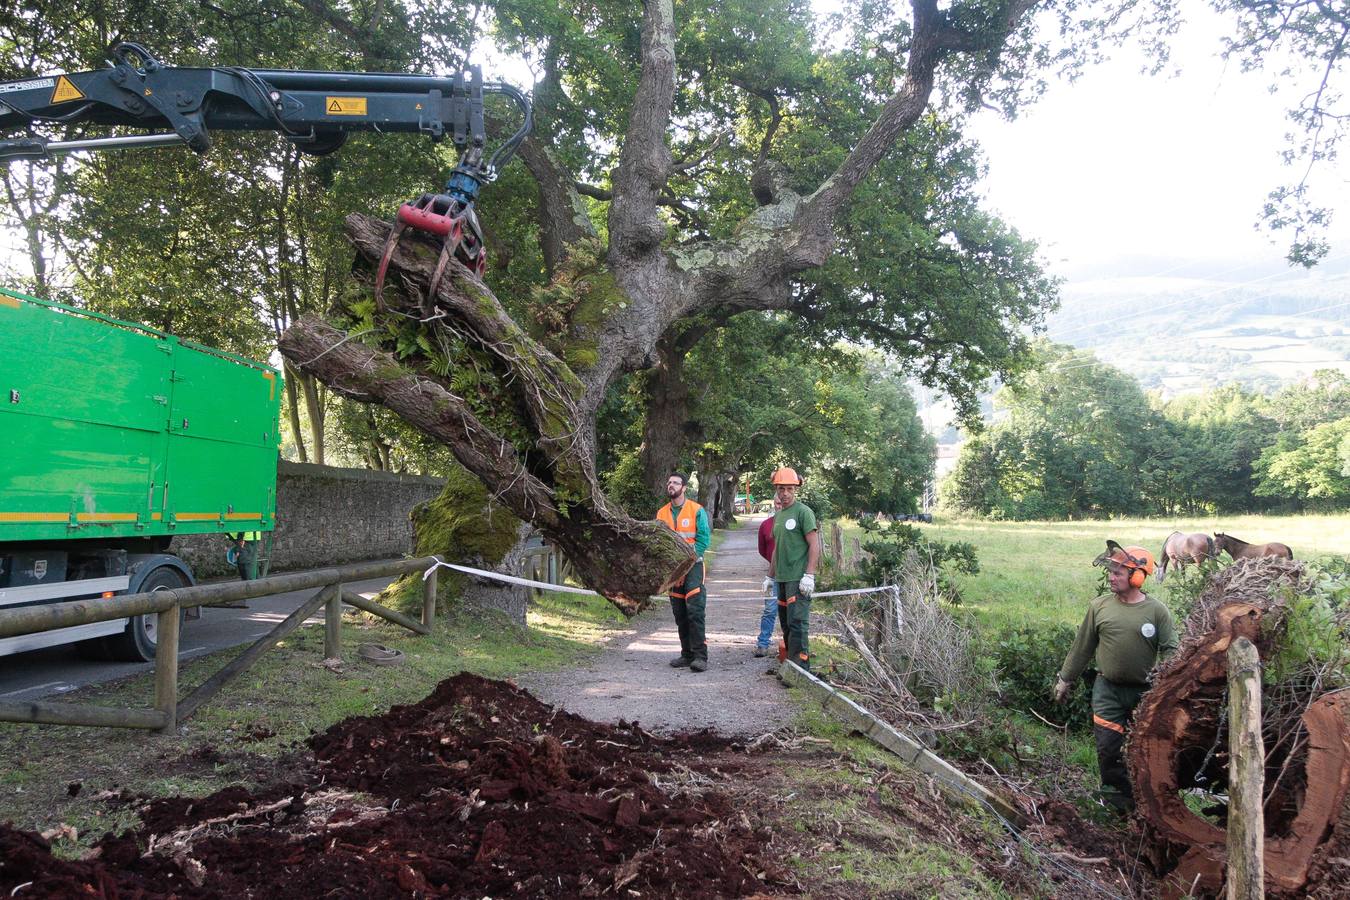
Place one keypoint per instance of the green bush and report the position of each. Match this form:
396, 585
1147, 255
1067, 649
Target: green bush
1027, 659
894, 539
1316, 639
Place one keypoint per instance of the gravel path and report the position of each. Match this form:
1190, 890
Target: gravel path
632, 679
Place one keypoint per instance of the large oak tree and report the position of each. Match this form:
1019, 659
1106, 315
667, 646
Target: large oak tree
517, 405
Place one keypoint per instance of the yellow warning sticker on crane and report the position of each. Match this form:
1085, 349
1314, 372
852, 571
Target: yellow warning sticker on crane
66, 91
345, 106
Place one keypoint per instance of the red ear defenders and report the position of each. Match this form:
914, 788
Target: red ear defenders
1137, 577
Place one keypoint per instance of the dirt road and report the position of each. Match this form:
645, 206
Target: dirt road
633, 681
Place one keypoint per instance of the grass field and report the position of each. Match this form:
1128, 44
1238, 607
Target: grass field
1042, 571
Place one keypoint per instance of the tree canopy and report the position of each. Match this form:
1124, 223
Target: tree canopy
684, 171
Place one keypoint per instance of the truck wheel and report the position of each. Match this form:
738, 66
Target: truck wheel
138, 642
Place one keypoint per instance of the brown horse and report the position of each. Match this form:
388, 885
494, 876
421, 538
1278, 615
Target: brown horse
1185, 548
1243, 550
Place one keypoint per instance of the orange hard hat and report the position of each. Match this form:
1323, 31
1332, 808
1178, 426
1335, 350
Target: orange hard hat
786, 476
1129, 557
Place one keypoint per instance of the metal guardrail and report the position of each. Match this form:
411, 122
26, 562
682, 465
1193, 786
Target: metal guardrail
168, 710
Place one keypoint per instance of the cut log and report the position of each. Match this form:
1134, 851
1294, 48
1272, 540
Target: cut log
1179, 720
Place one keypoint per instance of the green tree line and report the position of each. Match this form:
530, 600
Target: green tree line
1077, 438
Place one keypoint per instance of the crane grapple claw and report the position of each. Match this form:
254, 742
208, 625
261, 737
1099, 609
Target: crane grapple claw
445, 218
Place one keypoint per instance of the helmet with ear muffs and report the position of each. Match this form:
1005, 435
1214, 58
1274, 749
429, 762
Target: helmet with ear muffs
1138, 560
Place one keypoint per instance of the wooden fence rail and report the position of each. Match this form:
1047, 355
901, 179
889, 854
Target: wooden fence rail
168, 711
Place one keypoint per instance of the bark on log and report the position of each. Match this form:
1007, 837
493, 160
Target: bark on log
552, 484
1178, 721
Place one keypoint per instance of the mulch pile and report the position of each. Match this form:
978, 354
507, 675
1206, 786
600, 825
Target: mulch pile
478, 790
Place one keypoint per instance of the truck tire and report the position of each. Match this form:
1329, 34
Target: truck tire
138, 642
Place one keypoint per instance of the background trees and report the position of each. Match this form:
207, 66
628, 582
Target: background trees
1082, 439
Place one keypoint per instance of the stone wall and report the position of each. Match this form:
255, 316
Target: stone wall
326, 516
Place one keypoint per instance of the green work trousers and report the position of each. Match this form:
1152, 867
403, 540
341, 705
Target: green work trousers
690, 604
247, 561
794, 615
1113, 706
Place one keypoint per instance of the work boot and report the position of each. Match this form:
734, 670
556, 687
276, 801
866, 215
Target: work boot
761, 651
698, 664
680, 662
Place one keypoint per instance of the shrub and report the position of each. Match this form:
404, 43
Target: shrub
1315, 645
1027, 659
894, 539
625, 487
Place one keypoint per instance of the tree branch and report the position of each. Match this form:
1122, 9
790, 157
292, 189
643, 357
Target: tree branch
694, 160
644, 164
354, 370
934, 39
563, 218
666, 199
550, 392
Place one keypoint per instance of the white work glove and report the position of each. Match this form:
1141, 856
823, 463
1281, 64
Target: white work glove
1062, 689
807, 584
770, 586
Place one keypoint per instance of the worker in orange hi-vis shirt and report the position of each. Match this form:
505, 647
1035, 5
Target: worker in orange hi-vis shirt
688, 601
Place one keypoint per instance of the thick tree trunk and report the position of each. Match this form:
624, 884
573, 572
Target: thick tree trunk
667, 417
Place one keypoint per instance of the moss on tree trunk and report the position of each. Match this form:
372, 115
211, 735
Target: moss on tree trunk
460, 525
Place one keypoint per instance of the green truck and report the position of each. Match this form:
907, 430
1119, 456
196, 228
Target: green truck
114, 438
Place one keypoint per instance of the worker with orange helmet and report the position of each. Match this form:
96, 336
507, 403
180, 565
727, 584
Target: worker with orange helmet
792, 567
689, 600
1128, 632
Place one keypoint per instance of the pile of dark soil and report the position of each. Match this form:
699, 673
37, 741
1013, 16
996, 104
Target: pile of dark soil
478, 790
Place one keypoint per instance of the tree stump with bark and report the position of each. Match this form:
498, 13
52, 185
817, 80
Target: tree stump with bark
1179, 741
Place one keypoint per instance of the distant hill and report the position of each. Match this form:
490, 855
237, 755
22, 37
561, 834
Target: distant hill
1183, 334
1183, 330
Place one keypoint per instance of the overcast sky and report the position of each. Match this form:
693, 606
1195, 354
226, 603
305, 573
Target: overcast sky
1124, 173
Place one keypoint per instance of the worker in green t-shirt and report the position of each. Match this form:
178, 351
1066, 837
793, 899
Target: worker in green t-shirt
796, 554
1128, 632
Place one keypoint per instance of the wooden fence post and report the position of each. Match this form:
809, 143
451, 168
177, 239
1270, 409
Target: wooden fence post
166, 668
429, 598
332, 625
1246, 774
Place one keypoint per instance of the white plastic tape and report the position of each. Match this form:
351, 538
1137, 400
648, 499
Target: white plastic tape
871, 590
564, 589
508, 579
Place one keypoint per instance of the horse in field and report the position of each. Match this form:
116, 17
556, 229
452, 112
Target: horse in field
1243, 550
1185, 548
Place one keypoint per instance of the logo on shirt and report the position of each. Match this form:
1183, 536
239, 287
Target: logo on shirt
684, 522
1147, 630
790, 524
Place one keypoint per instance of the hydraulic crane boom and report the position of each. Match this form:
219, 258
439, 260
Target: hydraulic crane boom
313, 110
